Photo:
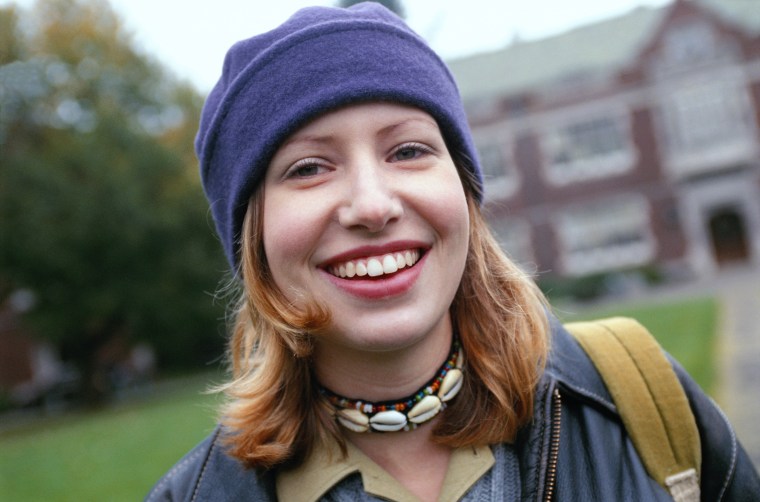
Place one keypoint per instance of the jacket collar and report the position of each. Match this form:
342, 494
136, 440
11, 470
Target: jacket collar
326, 467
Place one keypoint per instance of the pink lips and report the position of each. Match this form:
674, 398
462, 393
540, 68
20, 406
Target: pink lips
384, 286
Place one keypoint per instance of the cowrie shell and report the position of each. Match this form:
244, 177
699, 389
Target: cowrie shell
353, 420
426, 409
451, 384
388, 421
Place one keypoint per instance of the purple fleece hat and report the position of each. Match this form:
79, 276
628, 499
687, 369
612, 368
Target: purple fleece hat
318, 60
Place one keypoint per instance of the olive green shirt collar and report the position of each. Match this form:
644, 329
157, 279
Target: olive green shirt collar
325, 468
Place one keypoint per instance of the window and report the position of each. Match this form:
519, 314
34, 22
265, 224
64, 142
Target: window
605, 235
688, 43
588, 149
692, 45
492, 161
514, 237
704, 115
498, 173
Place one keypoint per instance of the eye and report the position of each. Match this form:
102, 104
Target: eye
305, 168
409, 151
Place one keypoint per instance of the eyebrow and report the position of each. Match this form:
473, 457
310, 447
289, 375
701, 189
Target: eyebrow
307, 138
392, 127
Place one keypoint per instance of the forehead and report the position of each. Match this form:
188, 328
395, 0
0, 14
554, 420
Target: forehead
377, 115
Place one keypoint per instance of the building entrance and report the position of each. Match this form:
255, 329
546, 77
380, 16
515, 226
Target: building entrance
728, 236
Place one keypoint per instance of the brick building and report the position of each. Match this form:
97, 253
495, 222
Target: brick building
627, 143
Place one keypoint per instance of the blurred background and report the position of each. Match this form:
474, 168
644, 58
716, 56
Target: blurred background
621, 145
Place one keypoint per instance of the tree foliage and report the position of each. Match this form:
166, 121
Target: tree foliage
103, 218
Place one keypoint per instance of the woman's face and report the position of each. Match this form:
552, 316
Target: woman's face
364, 212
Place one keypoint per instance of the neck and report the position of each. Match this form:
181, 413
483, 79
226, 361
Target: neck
379, 375
413, 458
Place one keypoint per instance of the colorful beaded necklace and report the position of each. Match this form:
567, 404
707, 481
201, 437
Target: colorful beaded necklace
360, 415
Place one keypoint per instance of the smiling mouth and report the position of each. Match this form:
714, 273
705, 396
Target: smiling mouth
375, 266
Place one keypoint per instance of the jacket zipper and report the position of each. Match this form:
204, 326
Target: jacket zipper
551, 475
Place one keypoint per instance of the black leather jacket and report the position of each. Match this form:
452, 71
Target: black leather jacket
576, 448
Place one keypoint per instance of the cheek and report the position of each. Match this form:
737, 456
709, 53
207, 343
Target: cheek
458, 225
446, 209
287, 238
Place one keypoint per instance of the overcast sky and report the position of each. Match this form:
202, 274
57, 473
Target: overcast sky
192, 36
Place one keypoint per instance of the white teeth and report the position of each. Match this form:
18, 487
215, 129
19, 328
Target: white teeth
377, 265
361, 269
389, 264
374, 267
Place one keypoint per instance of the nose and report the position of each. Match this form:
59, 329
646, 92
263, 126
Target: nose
372, 202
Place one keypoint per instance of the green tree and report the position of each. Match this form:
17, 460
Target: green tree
9, 45
103, 218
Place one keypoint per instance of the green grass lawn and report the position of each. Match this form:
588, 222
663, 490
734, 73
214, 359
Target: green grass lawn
118, 454
115, 454
685, 328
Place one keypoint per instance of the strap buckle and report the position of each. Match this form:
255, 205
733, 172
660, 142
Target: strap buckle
683, 486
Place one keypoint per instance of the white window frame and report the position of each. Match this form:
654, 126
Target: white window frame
614, 162
501, 183
595, 236
689, 42
707, 125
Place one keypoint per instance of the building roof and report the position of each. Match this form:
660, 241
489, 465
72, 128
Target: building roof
595, 49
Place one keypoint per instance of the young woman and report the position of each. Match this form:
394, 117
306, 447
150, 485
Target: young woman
384, 347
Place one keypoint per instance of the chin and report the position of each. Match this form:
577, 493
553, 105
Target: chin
385, 335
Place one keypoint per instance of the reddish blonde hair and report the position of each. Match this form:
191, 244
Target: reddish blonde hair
274, 415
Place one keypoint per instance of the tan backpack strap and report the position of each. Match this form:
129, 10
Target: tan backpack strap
649, 398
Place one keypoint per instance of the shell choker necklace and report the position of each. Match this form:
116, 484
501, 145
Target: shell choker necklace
360, 415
